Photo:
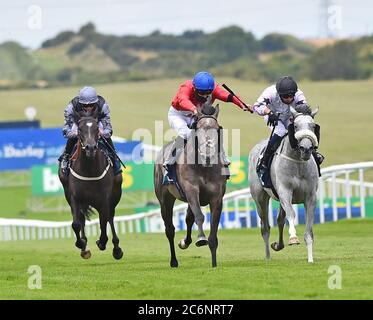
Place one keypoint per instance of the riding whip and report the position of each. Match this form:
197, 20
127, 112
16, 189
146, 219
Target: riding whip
113, 151
231, 92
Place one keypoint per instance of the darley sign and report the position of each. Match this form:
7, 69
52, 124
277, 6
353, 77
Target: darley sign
21, 149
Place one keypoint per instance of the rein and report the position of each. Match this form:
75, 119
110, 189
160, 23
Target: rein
285, 156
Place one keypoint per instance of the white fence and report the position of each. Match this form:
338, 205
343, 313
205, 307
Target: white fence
238, 209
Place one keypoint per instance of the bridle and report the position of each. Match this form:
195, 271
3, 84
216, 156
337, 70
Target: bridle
196, 129
80, 139
296, 137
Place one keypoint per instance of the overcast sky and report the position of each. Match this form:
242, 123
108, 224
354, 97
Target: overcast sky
30, 22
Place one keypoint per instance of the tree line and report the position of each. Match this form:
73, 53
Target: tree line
230, 51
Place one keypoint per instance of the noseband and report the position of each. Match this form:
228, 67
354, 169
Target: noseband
296, 137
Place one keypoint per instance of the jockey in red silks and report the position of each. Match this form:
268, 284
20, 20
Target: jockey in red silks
191, 96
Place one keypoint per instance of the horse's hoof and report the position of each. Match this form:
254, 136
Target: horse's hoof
174, 263
117, 253
101, 246
183, 245
276, 246
85, 254
202, 241
293, 240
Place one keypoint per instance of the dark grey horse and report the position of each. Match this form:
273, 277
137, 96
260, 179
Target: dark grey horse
294, 175
91, 183
202, 182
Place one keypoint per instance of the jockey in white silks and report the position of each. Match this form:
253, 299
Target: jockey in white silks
274, 104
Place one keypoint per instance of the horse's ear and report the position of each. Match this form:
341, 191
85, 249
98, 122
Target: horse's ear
294, 112
314, 112
217, 109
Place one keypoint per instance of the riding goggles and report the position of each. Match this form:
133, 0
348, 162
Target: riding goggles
287, 95
203, 92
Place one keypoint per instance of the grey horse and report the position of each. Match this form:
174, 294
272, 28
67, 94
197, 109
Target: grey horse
294, 175
199, 172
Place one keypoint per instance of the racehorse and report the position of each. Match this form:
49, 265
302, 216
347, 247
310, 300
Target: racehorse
294, 175
91, 183
199, 173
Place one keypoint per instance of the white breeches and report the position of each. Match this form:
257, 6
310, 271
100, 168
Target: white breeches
280, 129
179, 121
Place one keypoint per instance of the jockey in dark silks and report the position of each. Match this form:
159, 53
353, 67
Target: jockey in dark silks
274, 104
87, 101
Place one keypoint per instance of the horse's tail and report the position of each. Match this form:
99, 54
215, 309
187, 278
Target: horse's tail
87, 211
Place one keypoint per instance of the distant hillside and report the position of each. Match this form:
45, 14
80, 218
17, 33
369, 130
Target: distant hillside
88, 56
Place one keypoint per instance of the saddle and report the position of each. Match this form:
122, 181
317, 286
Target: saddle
173, 175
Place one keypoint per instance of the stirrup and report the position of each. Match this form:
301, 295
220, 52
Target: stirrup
167, 179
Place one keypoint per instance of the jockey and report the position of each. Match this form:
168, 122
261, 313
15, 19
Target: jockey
274, 104
87, 101
190, 97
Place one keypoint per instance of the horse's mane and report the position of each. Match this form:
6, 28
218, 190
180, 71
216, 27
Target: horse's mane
207, 110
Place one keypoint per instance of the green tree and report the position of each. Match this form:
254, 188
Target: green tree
339, 61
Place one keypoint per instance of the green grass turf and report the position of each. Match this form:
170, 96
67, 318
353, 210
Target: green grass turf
242, 271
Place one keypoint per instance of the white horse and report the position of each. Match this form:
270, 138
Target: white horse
294, 175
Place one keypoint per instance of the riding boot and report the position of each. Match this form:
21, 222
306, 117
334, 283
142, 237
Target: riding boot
65, 157
174, 152
117, 166
262, 167
226, 163
319, 158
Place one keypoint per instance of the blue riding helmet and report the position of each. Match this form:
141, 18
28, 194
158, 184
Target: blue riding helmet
88, 95
204, 81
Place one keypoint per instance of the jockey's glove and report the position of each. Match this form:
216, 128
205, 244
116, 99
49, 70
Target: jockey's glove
272, 119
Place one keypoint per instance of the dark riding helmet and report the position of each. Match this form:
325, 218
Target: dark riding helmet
286, 85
